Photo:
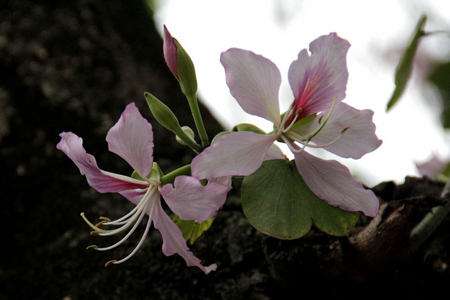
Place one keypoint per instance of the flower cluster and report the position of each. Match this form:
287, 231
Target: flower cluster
317, 118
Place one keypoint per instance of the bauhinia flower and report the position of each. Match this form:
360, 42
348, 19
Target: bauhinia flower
317, 118
132, 139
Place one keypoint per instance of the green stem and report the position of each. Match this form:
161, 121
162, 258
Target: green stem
193, 104
170, 177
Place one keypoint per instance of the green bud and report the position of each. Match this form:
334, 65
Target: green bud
186, 71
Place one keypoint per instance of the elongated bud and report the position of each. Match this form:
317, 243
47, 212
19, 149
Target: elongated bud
170, 52
180, 63
167, 118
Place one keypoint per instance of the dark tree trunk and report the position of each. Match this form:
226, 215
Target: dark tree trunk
73, 66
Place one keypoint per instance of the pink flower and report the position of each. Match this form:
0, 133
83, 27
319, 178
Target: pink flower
317, 118
132, 139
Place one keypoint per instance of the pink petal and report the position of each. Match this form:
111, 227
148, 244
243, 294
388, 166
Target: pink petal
102, 181
359, 136
234, 154
318, 78
254, 81
132, 139
332, 182
170, 52
432, 167
190, 200
173, 241
274, 152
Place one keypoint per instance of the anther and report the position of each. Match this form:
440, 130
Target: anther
95, 233
92, 247
100, 223
105, 219
345, 129
111, 262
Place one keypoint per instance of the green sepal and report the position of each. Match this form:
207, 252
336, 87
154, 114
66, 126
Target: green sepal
219, 135
186, 71
277, 202
164, 115
405, 65
248, 127
192, 230
154, 175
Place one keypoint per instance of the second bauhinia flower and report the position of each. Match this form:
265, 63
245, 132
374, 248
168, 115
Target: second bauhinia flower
317, 118
132, 139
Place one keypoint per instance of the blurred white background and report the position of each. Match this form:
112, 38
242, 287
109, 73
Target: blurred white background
279, 29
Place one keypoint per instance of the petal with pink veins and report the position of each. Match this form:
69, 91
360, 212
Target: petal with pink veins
233, 154
132, 139
318, 78
102, 181
357, 128
190, 200
332, 182
173, 241
254, 81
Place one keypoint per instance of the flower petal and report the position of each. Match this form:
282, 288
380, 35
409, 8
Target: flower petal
357, 128
332, 182
170, 52
274, 152
317, 79
132, 139
233, 154
190, 200
173, 241
102, 181
254, 81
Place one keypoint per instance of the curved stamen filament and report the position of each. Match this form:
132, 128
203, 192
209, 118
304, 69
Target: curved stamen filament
292, 146
123, 219
147, 228
143, 204
129, 233
285, 118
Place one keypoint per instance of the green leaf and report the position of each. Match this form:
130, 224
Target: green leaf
277, 202
192, 230
405, 65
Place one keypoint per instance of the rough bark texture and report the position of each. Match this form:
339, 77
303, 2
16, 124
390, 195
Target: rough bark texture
73, 66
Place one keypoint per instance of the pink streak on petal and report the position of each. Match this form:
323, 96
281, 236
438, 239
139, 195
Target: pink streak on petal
190, 200
332, 182
234, 154
358, 139
170, 52
173, 241
317, 78
132, 139
102, 181
254, 81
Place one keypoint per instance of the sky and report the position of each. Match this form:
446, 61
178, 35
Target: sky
279, 29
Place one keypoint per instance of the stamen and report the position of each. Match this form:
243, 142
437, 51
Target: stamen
143, 204
327, 144
149, 222
285, 118
90, 224
105, 219
92, 247
94, 233
110, 262
292, 146
326, 118
128, 234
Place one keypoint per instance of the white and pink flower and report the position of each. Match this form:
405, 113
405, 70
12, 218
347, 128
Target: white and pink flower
132, 139
317, 118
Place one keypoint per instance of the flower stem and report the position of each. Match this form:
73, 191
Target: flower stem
193, 104
170, 177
